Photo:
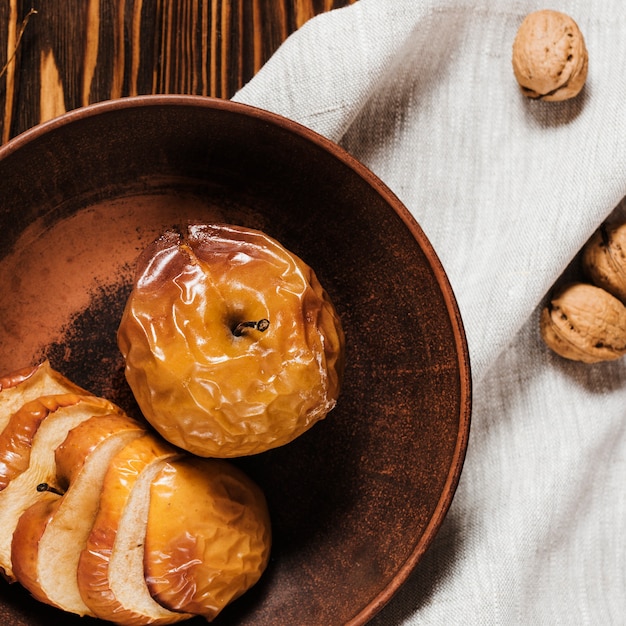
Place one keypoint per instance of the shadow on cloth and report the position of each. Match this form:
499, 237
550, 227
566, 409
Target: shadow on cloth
554, 114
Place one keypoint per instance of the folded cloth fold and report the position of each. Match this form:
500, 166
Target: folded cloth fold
508, 190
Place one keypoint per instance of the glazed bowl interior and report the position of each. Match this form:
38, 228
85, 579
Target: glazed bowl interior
355, 501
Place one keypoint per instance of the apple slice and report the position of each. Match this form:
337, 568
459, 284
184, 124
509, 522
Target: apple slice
16, 439
50, 535
110, 569
30, 383
208, 535
51, 428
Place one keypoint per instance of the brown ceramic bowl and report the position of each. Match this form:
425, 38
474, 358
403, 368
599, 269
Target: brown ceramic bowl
357, 500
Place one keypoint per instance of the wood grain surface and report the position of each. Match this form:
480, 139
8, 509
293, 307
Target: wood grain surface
58, 55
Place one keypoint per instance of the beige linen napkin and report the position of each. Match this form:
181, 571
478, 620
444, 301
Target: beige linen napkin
507, 190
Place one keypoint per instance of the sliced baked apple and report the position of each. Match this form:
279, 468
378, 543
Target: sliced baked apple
59, 416
110, 570
51, 535
24, 385
16, 439
208, 535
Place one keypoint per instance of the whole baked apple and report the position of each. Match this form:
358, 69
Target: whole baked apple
232, 345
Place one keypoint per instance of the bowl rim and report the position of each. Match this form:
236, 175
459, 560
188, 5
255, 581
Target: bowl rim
30, 135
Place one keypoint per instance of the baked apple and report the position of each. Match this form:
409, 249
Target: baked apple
16, 440
97, 510
40, 427
110, 570
208, 535
232, 345
175, 536
22, 386
51, 534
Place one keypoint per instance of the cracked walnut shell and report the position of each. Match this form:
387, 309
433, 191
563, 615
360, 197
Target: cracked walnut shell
550, 58
604, 259
585, 323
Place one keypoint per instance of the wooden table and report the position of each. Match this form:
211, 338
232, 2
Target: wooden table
58, 55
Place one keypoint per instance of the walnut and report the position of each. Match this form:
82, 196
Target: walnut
549, 56
585, 323
604, 259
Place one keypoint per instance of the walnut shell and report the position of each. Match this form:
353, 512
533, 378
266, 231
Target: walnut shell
550, 59
604, 259
585, 323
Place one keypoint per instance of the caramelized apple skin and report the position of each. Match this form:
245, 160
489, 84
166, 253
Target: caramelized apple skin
207, 385
208, 537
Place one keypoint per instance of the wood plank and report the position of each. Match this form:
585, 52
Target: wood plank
57, 55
